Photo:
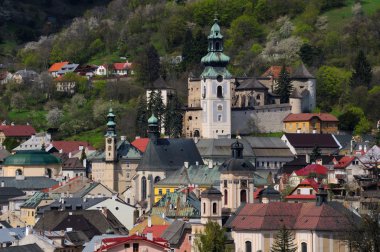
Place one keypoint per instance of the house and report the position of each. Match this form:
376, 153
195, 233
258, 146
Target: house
29, 185
73, 148
90, 222
305, 191
178, 234
316, 170
68, 68
316, 123
254, 226
122, 69
28, 210
26, 77
32, 163
266, 195
134, 243
21, 248
270, 153
86, 70
6, 193
35, 142
150, 221
10, 237
53, 70
20, 133
71, 166
215, 151
3, 154
103, 70
304, 144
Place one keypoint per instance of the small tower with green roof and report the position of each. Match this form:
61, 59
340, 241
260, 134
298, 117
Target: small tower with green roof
216, 83
153, 132
110, 152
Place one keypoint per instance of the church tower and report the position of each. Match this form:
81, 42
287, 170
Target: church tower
216, 88
110, 136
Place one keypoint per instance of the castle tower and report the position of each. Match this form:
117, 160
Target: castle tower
216, 89
211, 206
110, 152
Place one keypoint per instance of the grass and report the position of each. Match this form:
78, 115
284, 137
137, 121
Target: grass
337, 18
94, 137
36, 118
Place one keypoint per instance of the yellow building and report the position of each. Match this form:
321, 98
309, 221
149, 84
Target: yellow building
32, 163
29, 208
320, 123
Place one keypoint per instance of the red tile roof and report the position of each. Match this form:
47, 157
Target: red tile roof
275, 71
295, 216
311, 182
257, 192
302, 117
71, 146
141, 143
122, 66
156, 230
17, 130
301, 196
312, 168
57, 66
109, 243
344, 162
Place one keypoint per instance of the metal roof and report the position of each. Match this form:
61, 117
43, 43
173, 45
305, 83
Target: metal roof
222, 147
29, 183
266, 142
31, 157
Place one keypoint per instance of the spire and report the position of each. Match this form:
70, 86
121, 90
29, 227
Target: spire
153, 132
215, 61
237, 150
111, 125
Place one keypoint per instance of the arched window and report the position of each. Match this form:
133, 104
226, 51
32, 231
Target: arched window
248, 246
156, 179
303, 247
219, 92
48, 172
258, 97
225, 197
220, 107
204, 92
243, 196
18, 172
214, 210
143, 188
204, 207
196, 133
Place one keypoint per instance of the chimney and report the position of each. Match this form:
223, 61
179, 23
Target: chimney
69, 154
28, 230
186, 164
149, 221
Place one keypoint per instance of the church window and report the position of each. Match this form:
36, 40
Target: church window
204, 207
18, 172
303, 247
225, 197
217, 46
143, 188
219, 92
248, 246
219, 118
214, 208
220, 107
225, 183
258, 97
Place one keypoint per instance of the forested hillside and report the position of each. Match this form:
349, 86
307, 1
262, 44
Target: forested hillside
338, 40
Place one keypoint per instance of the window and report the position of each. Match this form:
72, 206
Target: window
220, 107
217, 46
225, 197
160, 191
243, 196
298, 191
258, 97
18, 172
311, 191
135, 247
225, 183
219, 92
219, 118
157, 179
204, 208
303, 247
248, 246
214, 208
143, 188
167, 190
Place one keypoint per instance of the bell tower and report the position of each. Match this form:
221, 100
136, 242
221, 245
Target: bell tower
216, 88
110, 136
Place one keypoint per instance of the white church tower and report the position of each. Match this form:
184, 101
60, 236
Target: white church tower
216, 84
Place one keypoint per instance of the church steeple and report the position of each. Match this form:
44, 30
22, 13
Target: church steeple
215, 61
153, 132
110, 152
111, 125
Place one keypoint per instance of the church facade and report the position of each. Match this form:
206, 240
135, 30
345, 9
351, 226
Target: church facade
220, 105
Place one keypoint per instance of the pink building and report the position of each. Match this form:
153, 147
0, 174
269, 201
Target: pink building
134, 243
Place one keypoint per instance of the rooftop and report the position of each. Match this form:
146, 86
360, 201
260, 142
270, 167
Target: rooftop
31, 157
17, 130
324, 117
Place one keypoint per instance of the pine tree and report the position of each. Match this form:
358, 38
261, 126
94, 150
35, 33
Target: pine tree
362, 74
315, 154
148, 66
213, 239
156, 106
284, 241
141, 117
284, 86
173, 117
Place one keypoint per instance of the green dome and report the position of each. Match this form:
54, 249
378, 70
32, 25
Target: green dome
152, 120
110, 113
215, 31
31, 157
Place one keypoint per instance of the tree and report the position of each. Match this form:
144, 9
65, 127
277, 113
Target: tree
284, 86
148, 66
284, 241
156, 106
142, 117
213, 239
362, 74
54, 117
349, 119
173, 117
315, 154
10, 143
311, 55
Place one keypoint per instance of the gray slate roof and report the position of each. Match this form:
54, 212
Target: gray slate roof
301, 72
68, 68
9, 192
24, 248
125, 150
169, 154
250, 84
29, 183
266, 142
72, 204
11, 234
174, 232
222, 147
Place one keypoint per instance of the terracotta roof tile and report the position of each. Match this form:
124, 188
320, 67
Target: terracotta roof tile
156, 230
17, 130
344, 162
312, 168
275, 71
57, 66
122, 66
324, 117
70, 146
301, 196
141, 143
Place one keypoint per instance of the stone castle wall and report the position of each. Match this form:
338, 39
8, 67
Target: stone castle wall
263, 119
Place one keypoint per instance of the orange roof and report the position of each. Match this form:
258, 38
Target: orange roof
17, 130
57, 66
156, 230
275, 71
141, 143
344, 162
324, 117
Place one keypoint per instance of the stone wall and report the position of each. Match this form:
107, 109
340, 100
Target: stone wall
263, 119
